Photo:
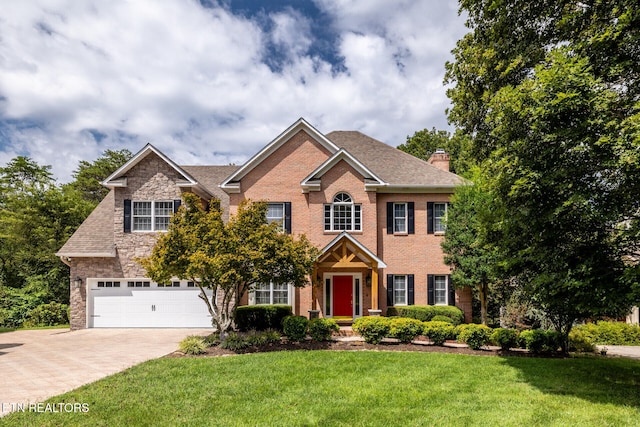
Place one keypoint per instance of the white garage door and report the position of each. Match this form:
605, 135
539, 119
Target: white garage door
141, 303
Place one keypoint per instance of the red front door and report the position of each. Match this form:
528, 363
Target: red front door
343, 296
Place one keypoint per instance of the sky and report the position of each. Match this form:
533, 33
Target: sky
212, 82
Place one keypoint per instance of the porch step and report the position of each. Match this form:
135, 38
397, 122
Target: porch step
345, 331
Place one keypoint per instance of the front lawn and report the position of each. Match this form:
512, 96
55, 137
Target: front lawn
357, 388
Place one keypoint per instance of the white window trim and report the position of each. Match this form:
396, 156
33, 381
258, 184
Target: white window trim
446, 289
281, 219
446, 206
352, 222
406, 290
290, 295
406, 218
153, 215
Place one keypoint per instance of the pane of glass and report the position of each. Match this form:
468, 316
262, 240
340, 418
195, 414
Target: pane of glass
342, 198
162, 223
327, 217
164, 208
263, 297
327, 288
142, 223
357, 298
176, 284
399, 218
440, 290
399, 290
142, 208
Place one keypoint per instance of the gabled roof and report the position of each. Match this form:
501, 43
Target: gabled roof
232, 183
119, 177
356, 248
400, 171
312, 181
94, 238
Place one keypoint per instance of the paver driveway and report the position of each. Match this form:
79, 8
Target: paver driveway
36, 365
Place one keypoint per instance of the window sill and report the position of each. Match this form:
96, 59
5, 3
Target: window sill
340, 231
404, 233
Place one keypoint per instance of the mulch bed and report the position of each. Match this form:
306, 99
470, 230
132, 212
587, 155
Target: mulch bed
284, 345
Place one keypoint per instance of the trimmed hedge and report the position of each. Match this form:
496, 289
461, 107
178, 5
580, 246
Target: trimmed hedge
295, 327
505, 338
610, 333
404, 329
372, 329
426, 313
261, 317
438, 331
476, 336
322, 329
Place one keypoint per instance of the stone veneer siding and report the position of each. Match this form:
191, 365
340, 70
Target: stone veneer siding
152, 179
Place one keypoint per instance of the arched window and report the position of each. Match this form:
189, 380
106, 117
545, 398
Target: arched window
342, 214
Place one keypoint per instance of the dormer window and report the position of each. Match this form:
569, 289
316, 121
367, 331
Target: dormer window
342, 214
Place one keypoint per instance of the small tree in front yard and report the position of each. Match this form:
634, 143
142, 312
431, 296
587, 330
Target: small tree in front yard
229, 259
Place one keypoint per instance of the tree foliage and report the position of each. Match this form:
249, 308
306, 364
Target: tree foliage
425, 142
37, 216
88, 176
548, 91
467, 249
229, 258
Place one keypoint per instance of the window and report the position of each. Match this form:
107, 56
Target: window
440, 291
436, 216
439, 216
272, 293
275, 213
400, 289
108, 284
399, 217
152, 216
144, 284
342, 214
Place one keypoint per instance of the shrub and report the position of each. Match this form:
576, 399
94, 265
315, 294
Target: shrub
234, 342
295, 327
553, 340
533, 340
271, 336
611, 333
441, 318
193, 345
372, 329
474, 335
50, 314
438, 331
426, 313
212, 339
505, 338
580, 342
261, 317
404, 329
322, 329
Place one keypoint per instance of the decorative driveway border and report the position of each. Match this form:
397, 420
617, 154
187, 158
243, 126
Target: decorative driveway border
38, 364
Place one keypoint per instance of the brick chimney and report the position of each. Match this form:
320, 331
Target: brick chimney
440, 159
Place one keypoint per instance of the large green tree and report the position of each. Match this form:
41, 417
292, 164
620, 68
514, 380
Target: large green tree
88, 177
423, 143
229, 259
466, 245
548, 91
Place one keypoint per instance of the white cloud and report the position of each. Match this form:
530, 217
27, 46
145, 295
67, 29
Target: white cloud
193, 80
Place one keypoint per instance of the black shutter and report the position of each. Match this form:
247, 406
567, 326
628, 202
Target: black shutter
431, 289
176, 205
430, 217
389, 217
389, 290
287, 217
410, 290
127, 216
411, 218
452, 291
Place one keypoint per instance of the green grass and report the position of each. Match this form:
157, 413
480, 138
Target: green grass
361, 388
31, 328
2, 329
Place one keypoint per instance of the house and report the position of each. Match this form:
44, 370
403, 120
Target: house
375, 212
